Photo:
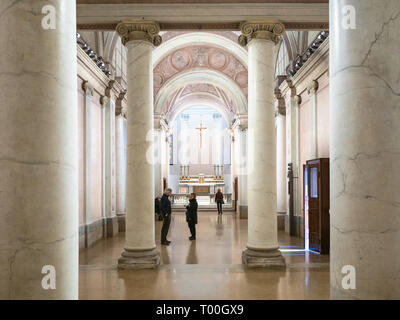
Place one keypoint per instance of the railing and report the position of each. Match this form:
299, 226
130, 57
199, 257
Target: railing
183, 198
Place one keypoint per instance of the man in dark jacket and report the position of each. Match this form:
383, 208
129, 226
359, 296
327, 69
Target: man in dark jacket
157, 208
166, 212
191, 215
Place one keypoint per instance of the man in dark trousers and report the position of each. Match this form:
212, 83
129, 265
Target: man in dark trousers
166, 212
191, 215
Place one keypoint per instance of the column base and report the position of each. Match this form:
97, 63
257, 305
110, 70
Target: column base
143, 259
263, 258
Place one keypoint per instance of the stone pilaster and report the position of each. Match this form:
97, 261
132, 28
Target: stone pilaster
38, 152
140, 249
312, 92
262, 246
280, 123
109, 199
365, 151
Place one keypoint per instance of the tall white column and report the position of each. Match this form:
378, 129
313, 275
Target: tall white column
365, 150
312, 92
262, 245
140, 248
38, 151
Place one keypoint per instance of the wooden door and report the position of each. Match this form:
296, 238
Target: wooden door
314, 222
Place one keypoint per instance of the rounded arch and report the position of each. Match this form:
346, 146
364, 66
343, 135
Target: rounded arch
199, 38
201, 101
201, 76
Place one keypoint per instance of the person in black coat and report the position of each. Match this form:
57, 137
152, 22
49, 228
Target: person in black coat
166, 212
191, 215
157, 208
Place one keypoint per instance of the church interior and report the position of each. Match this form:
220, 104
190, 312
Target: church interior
108, 104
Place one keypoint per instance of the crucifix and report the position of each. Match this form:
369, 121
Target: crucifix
201, 128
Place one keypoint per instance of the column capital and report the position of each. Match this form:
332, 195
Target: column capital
297, 100
107, 91
312, 87
261, 29
119, 110
280, 104
144, 30
87, 88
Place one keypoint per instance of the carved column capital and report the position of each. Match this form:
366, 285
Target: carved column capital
119, 110
144, 30
297, 100
280, 105
268, 30
108, 89
87, 88
312, 87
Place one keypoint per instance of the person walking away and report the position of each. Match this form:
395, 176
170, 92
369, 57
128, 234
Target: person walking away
219, 199
166, 212
157, 208
191, 215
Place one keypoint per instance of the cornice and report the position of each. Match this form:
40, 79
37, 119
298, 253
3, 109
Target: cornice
313, 68
89, 72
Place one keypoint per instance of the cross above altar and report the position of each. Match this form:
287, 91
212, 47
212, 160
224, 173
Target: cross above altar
201, 128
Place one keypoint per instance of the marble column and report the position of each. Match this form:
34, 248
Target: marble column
365, 151
120, 157
312, 92
262, 245
139, 37
280, 120
38, 151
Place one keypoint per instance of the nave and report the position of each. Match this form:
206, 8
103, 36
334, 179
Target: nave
208, 268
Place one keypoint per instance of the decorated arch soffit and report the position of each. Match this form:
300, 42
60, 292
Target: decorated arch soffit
200, 69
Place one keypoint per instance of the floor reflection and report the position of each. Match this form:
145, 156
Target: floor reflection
207, 268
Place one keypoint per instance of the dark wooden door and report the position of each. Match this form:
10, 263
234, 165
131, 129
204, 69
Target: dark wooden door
314, 222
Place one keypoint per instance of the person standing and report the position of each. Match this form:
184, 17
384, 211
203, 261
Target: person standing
166, 212
219, 199
191, 215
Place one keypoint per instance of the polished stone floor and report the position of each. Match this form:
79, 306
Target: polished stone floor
208, 268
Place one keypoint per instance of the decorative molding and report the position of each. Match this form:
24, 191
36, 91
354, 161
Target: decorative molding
139, 30
312, 48
206, 26
92, 55
267, 30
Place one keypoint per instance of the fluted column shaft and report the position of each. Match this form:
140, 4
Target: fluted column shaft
38, 151
262, 245
365, 150
140, 248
